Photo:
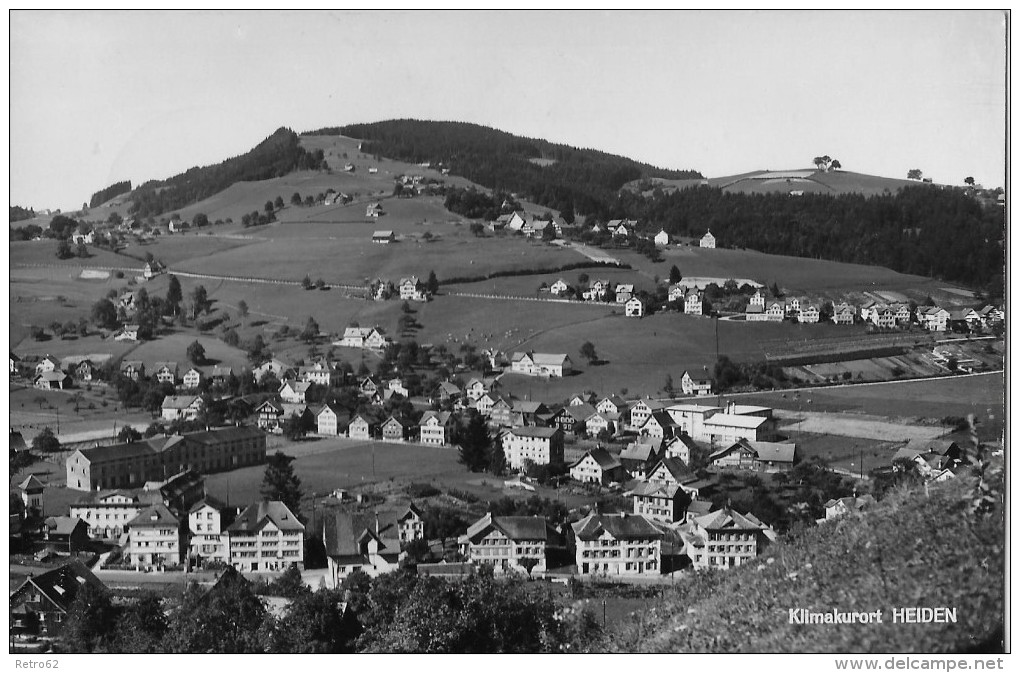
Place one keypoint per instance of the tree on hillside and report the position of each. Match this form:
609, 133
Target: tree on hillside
200, 299
257, 351
549, 232
311, 331
674, 275
306, 283
196, 352
104, 314
822, 163
174, 294
280, 483
588, 352
200, 220
242, 309
914, 174
474, 444
82, 250
432, 284
969, 181
64, 249
89, 621
269, 207
278, 203
45, 441
835, 165
295, 199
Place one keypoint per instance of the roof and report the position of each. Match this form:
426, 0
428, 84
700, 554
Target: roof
581, 412
514, 527
31, 482
207, 501
168, 365
61, 585
606, 460
727, 519
677, 468
638, 451
63, 525
442, 416
344, 532
146, 447
255, 516
940, 446
382, 233
529, 407
52, 376
179, 401
699, 507
662, 418
225, 434
620, 526
297, 386
778, 452
656, 490
219, 370
528, 431
154, 515
735, 421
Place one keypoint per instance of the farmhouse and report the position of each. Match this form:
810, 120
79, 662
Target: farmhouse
662, 238
275, 367
396, 429
659, 425
676, 292
374, 210
269, 416
617, 544
127, 333
634, 308
602, 422
809, 313
221, 375
775, 311
52, 381
436, 427
755, 313
133, 369
294, 391
559, 287
328, 420
319, 373
611, 404
83, 367
528, 412
642, 410
760, 456
42, 602
708, 240
624, 292
182, 407
266, 536
32, 493
693, 303
841, 506
597, 466
66, 534
372, 338
517, 221
412, 289
541, 446
477, 387
844, 314
638, 458
541, 364
695, 386
166, 372
361, 428
509, 543
933, 318
369, 386
572, 419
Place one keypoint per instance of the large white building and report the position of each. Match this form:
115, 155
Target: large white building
618, 544
541, 446
541, 364
207, 519
506, 542
266, 536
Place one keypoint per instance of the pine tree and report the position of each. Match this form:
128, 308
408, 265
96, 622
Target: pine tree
474, 444
280, 482
433, 283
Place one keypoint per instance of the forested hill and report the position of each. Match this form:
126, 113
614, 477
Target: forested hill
554, 175
923, 230
275, 156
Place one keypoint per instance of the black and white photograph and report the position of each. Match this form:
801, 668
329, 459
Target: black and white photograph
432, 331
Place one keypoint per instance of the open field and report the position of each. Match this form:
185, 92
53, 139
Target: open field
982, 395
845, 453
858, 426
29, 416
45, 252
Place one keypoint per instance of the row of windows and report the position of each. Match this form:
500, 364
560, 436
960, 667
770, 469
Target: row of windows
730, 548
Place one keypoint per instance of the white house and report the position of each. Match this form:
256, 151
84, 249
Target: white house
541, 446
294, 391
371, 338
634, 308
695, 386
708, 240
327, 421
541, 364
181, 407
559, 287
192, 379
693, 303
662, 238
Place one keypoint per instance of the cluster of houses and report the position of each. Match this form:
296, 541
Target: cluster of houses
763, 308
410, 288
600, 290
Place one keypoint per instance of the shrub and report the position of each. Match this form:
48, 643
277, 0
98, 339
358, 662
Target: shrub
422, 490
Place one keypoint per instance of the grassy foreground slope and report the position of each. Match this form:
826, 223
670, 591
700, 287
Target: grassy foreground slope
912, 550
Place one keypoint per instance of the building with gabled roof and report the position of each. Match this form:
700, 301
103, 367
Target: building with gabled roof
541, 364
618, 544
837, 507
436, 427
598, 466
266, 536
746, 454
156, 538
369, 541
506, 542
66, 534
330, 419
665, 503
207, 520
182, 407
40, 605
32, 492
708, 240
56, 380
294, 392
725, 539
540, 446
639, 457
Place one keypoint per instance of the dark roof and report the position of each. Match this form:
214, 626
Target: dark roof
677, 468
581, 412
61, 584
229, 434
207, 500
344, 533
528, 431
254, 516
63, 525
620, 526
146, 447
154, 515
514, 527
31, 482
606, 460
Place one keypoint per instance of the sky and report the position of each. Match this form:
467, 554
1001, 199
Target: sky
97, 97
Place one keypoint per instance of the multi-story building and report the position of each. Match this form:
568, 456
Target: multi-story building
759, 456
598, 466
725, 539
369, 541
618, 544
508, 543
412, 289
541, 446
661, 502
327, 421
266, 536
695, 386
642, 410
693, 303
207, 520
156, 538
182, 407
40, 605
436, 427
541, 364
165, 372
156, 459
192, 379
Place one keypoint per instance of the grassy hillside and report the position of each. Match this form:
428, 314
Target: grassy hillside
757, 182
915, 549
